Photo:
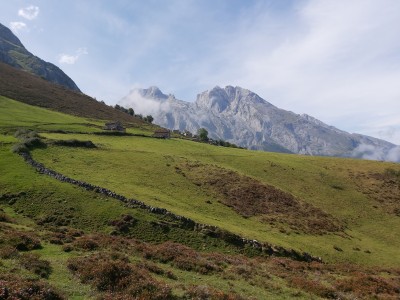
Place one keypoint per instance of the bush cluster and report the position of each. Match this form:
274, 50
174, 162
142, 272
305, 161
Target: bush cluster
74, 143
115, 274
182, 257
14, 287
33, 263
28, 140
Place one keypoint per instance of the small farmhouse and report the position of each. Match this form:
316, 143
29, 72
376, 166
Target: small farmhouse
114, 126
162, 133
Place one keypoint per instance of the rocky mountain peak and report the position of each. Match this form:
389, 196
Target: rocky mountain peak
152, 92
240, 116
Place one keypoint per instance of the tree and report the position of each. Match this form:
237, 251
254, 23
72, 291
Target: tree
149, 119
131, 111
203, 134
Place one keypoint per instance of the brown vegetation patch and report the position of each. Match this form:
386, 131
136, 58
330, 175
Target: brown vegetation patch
182, 257
19, 240
249, 197
383, 187
35, 264
14, 287
115, 274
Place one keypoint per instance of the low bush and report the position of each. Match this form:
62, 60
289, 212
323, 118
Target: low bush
74, 143
182, 257
114, 274
123, 224
363, 286
204, 292
14, 287
85, 243
33, 263
22, 241
25, 133
5, 218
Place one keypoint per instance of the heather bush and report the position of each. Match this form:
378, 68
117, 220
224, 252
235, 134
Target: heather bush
114, 274
22, 241
182, 257
204, 292
85, 243
13, 287
32, 262
123, 224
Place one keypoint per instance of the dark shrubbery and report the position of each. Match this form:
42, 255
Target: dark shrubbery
114, 274
28, 140
32, 262
122, 225
204, 292
182, 257
13, 287
74, 143
22, 241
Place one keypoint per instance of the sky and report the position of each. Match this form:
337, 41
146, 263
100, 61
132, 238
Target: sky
336, 60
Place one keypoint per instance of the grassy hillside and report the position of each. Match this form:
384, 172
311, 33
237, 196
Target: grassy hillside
66, 238
33, 90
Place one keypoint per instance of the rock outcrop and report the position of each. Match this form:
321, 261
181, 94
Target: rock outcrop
242, 117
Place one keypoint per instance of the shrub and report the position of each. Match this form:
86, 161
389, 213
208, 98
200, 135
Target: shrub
19, 148
32, 262
5, 218
25, 133
114, 274
23, 241
363, 285
7, 252
14, 287
85, 243
75, 143
124, 223
204, 292
182, 257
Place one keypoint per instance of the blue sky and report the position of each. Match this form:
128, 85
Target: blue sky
337, 60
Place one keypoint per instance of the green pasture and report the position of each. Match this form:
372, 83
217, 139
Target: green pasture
148, 169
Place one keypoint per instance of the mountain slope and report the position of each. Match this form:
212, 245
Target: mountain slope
33, 90
13, 53
242, 117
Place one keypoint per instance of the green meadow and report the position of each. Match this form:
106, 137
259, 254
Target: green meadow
359, 197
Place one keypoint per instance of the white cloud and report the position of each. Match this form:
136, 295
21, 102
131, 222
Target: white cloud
17, 26
142, 105
30, 12
335, 60
71, 59
371, 152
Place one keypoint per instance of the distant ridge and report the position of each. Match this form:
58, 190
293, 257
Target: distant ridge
13, 53
239, 116
33, 90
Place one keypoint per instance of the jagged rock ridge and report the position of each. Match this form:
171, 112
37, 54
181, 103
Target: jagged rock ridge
13, 53
242, 117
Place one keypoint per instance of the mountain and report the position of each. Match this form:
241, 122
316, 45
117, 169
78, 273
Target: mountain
13, 53
242, 117
33, 90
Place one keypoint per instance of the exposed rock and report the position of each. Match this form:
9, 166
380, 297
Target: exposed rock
241, 117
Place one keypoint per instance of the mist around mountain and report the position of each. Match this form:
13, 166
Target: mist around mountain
240, 116
13, 53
